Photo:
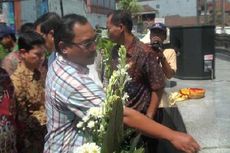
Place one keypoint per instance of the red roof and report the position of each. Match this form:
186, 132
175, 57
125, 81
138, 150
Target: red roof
219, 5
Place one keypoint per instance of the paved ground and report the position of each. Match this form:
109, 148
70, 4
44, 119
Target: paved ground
208, 119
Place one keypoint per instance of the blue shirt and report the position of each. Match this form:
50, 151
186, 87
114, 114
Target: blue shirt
51, 58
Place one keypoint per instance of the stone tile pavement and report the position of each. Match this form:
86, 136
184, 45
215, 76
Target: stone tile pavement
208, 119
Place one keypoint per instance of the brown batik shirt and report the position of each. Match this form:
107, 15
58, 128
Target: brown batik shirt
147, 76
29, 94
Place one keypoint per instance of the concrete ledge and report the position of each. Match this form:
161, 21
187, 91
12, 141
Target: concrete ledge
223, 50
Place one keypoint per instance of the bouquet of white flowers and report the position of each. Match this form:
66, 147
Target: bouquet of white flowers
88, 148
103, 126
91, 125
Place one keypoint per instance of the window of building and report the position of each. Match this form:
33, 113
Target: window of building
108, 4
101, 6
158, 6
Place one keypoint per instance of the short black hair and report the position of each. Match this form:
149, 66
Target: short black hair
49, 21
13, 37
65, 31
26, 27
122, 17
29, 39
6, 31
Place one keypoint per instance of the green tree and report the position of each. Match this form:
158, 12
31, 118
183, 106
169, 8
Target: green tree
129, 5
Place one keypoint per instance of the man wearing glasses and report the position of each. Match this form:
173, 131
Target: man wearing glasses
46, 25
70, 92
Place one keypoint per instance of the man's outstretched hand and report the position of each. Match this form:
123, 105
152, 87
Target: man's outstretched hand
185, 143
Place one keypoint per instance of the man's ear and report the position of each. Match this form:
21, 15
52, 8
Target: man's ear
51, 32
22, 52
62, 46
122, 27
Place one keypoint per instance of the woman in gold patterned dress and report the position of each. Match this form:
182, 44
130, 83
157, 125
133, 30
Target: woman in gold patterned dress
29, 92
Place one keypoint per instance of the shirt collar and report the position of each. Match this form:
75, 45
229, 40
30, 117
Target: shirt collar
80, 68
130, 47
33, 75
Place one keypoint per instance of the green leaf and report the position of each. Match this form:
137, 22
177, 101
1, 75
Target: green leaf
140, 150
134, 143
114, 133
129, 5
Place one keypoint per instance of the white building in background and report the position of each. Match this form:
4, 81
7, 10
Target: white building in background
172, 7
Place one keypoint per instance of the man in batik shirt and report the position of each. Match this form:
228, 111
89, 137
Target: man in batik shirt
29, 93
146, 86
147, 82
10, 62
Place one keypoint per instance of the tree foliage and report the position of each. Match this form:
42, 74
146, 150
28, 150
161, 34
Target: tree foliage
129, 5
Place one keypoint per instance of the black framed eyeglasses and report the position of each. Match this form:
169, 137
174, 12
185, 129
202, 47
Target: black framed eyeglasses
85, 44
